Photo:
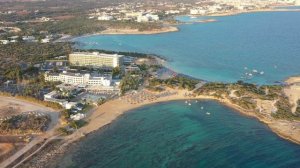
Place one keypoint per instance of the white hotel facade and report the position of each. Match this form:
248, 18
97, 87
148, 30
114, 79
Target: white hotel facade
79, 79
95, 59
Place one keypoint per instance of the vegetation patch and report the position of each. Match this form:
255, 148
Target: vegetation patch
24, 124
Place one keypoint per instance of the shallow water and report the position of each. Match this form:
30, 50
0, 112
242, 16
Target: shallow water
220, 51
174, 134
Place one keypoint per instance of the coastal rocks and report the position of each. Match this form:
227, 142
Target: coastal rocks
43, 159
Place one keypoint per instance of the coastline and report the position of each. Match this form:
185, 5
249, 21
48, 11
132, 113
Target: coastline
255, 11
170, 28
111, 110
167, 29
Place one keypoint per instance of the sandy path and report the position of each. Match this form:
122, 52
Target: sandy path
292, 91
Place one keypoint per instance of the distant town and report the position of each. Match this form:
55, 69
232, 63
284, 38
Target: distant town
141, 16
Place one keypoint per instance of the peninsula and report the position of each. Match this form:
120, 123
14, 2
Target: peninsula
273, 105
52, 95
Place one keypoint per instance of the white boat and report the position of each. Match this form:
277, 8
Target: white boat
186, 102
262, 72
207, 113
190, 104
202, 108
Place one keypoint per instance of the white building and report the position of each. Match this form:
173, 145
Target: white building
70, 105
28, 38
142, 19
44, 19
95, 59
153, 17
45, 40
172, 12
50, 95
77, 116
105, 17
4, 41
79, 79
133, 14
147, 18
197, 11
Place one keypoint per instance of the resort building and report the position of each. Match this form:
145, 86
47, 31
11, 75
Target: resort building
147, 18
105, 17
79, 79
197, 11
95, 59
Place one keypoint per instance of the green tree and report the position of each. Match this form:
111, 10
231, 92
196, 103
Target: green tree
116, 71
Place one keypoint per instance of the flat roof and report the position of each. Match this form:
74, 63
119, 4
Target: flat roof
96, 54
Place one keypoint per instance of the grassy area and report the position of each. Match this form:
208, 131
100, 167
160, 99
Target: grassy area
81, 25
178, 81
129, 82
24, 124
17, 54
245, 95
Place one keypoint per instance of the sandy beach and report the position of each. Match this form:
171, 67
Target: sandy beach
136, 31
256, 11
111, 110
292, 91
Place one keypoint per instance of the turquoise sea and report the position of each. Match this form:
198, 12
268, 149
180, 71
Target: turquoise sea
172, 134
175, 135
223, 50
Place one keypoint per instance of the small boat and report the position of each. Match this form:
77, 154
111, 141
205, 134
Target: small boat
202, 108
190, 104
207, 113
262, 72
193, 17
196, 101
186, 102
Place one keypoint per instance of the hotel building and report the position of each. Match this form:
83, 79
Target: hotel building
95, 59
79, 79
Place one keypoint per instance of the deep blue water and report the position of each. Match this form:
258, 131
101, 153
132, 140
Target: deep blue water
220, 51
171, 135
